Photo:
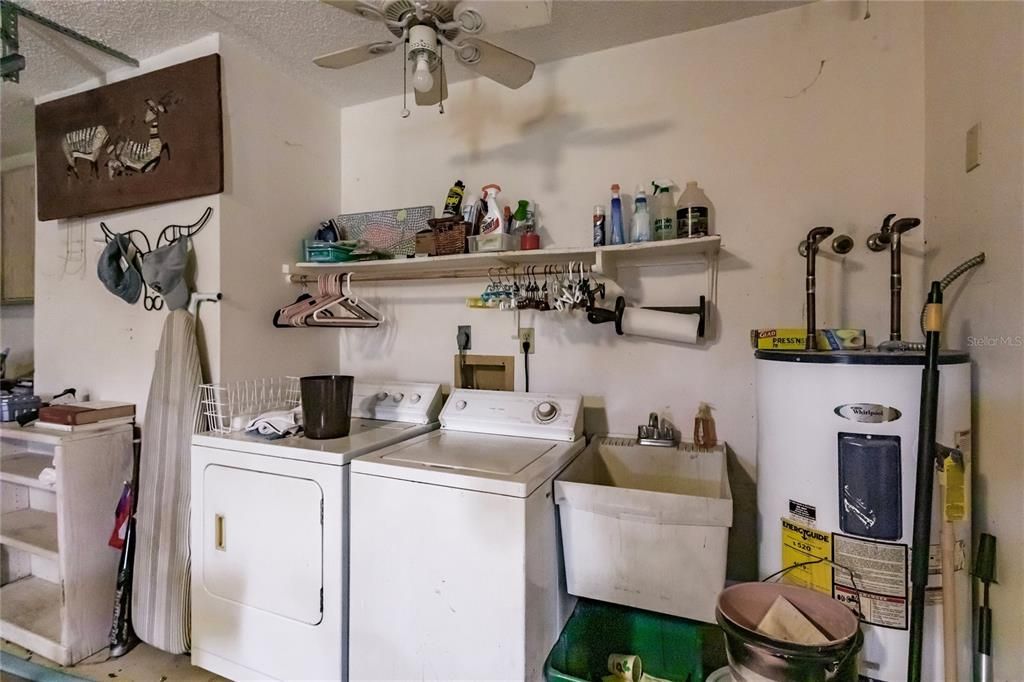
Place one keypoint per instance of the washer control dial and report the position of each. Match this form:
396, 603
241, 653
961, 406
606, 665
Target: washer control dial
397, 397
545, 411
414, 398
382, 396
461, 405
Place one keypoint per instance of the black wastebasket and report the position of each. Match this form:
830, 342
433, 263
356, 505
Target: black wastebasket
326, 405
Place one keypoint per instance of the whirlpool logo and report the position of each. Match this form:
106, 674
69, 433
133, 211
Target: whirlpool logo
868, 413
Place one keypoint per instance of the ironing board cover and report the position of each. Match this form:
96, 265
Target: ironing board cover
160, 600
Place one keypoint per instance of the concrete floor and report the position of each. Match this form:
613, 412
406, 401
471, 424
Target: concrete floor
141, 664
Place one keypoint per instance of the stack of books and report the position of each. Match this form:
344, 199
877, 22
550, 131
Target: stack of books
86, 416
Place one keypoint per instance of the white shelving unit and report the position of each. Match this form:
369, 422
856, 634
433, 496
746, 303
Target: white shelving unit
57, 573
606, 261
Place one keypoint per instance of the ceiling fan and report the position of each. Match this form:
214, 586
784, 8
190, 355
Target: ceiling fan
424, 27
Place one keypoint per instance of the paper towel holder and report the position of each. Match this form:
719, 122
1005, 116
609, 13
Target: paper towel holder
599, 315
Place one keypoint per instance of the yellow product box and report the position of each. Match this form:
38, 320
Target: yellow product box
792, 338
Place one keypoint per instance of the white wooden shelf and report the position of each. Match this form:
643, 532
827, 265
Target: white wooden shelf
30, 615
23, 468
30, 530
57, 572
606, 260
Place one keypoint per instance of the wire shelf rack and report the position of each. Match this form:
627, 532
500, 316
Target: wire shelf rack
228, 407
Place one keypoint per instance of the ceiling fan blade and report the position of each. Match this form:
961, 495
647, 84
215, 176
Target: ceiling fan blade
353, 55
363, 8
436, 94
499, 17
498, 64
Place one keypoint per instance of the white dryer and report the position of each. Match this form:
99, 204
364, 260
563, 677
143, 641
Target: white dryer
456, 570
269, 539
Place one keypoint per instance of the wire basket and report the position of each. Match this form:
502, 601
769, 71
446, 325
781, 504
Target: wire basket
228, 407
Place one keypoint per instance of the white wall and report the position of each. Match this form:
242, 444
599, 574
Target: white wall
738, 107
974, 66
86, 337
281, 179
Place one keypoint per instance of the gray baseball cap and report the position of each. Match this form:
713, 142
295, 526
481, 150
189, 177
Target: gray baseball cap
164, 271
118, 268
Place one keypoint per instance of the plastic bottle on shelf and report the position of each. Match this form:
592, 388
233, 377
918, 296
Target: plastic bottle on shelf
641, 218
663, 210
618, 235
693, 212
494, 220
599, 225
453, 202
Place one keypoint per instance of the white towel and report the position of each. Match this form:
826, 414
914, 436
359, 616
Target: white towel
48, 476
277, 422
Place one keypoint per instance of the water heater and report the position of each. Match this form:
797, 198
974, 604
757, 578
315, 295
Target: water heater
836, 465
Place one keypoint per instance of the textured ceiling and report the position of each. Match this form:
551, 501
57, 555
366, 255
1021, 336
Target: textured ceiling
290, 33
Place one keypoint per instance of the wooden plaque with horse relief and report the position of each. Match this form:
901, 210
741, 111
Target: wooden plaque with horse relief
146, 140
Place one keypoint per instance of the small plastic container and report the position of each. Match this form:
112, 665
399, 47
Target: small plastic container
646, 526
315, 251
495, 241
670, 648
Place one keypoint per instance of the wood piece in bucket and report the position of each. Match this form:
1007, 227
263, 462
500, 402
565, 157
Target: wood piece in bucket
785, 621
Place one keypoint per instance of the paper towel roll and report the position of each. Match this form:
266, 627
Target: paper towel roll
656, 324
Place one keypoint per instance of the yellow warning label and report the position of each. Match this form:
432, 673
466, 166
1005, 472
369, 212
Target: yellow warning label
801, 545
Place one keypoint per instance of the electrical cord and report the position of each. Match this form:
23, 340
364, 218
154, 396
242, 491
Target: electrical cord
462, 341
526, 363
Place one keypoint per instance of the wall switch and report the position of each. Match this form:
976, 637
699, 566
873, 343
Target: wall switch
526, 336
464, 337
972, 158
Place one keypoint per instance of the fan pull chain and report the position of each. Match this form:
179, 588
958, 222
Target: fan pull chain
405, 78
444, 80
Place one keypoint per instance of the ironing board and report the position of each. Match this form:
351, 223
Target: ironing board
160, 599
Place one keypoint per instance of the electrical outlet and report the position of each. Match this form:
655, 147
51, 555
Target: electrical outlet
526, 335
465, 332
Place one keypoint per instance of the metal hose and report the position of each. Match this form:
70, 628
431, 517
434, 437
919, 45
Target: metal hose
951, 277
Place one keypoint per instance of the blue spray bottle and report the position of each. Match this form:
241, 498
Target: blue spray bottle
618, 235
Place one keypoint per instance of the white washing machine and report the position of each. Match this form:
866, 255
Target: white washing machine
269, 539
456, 569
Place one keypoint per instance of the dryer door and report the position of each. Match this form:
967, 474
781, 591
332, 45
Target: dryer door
263, 541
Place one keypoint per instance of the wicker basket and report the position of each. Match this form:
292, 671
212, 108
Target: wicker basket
449, 235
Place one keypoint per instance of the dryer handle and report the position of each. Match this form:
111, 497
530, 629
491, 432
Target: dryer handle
218, 532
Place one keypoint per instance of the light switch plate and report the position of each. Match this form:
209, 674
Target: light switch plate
972, 157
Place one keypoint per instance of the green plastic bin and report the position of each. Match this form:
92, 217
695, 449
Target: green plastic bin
671, 648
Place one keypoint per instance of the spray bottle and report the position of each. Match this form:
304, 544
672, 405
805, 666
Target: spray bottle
664, 210
494, 220
618, 235
641, 217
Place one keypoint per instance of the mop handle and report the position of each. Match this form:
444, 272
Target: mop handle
925, 480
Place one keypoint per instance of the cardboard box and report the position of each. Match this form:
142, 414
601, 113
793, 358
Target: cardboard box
791, 338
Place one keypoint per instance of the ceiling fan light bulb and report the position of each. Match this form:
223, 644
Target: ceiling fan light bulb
422, 80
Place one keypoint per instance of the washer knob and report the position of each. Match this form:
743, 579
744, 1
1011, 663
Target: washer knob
383, 395
546, 411
414, 398
461, 405
397, 397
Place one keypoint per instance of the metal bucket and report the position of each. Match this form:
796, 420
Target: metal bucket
755, 657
